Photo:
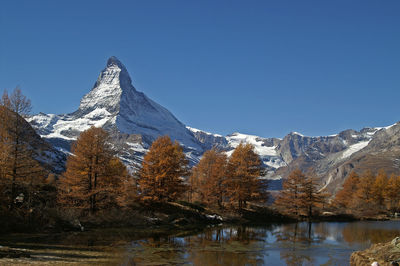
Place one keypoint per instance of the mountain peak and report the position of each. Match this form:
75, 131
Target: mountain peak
114, 104
113, 61
108, 89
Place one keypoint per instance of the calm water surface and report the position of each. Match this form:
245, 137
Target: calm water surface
325, 243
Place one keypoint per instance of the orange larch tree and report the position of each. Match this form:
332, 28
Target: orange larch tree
289, 200
346, 196
243, 182
392, 193
115, 184
311, 196
5, 166
18, 166
364, 193
129, 194
208, 177
379, 187
300, 195
163, 171
93, 177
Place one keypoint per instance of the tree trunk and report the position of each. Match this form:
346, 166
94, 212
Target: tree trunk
14, 171
90, 190
95, 182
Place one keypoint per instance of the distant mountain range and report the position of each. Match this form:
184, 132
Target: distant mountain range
134, 121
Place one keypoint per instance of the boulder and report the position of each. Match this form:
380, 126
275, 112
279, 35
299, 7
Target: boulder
383, 253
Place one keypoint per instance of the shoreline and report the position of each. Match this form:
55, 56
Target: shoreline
171, 215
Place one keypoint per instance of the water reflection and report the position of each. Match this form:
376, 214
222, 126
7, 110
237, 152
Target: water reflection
368, 232
292, 239
274, 244
228, 246
286, 244
220, 246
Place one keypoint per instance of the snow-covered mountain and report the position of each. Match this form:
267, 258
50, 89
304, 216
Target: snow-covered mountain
134, 121
332, 157
266, 148
277, 153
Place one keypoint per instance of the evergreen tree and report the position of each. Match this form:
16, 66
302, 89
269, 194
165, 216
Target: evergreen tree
163, 171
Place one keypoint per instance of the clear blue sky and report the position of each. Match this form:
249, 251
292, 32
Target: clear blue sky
257, 67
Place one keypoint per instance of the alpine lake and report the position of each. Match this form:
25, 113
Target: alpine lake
324, 243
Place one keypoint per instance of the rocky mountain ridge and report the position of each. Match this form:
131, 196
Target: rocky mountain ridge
332, 157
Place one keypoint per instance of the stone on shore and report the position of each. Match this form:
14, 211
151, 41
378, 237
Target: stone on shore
383, 253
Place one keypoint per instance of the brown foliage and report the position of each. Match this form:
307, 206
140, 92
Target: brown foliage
369, 194
345, 197
312, 198
243, 181
364, 194
379, 188
19, 171
208, 177
163, 169
392, 193
94, 177
289, 198
300, 195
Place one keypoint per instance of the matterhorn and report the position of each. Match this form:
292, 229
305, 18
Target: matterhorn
133, 120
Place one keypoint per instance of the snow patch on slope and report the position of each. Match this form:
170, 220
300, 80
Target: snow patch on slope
195, 130
259, 147
354, 148
297, 133
68, 127
268, 154
137, 147
379, 128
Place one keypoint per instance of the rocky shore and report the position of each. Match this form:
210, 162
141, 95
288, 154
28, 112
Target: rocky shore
383, 253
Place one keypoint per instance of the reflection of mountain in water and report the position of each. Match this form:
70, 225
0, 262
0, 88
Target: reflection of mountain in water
220, 246
274, 244
292, 239
369, 232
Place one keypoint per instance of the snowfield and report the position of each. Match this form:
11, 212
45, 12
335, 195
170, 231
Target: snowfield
259, 147
354, 148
